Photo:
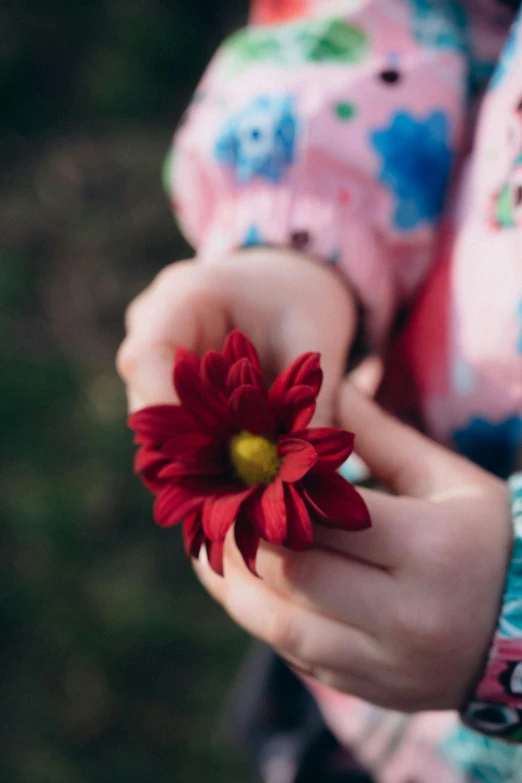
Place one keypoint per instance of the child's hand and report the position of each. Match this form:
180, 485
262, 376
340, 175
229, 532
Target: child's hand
402, 614
282, 301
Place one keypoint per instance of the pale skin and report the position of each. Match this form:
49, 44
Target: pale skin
285, 303
402, 614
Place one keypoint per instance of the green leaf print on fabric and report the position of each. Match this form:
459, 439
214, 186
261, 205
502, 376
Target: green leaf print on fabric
507, 202
345, 111
504, 208
314, 40
340, 41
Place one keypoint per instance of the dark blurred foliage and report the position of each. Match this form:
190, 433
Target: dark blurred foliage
114, 661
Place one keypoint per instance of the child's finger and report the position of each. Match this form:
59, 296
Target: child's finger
296, 630
322, 317
398, 455
331, 335
146, 369
312, 579
177, 309
386, 543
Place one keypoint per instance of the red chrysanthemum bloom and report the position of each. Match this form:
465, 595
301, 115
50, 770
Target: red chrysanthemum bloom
234, 452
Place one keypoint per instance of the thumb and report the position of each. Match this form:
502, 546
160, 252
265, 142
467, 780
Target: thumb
146, 369
396, 454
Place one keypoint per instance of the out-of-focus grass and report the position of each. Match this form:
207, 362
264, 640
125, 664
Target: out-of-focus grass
114, 660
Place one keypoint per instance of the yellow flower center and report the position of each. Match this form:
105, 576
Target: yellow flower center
255, 459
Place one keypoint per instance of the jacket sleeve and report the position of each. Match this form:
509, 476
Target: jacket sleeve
495, 707
329, 127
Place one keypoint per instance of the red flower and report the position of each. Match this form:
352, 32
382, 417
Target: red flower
234, 452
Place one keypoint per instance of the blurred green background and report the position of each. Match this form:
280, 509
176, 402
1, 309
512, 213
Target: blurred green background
114, 661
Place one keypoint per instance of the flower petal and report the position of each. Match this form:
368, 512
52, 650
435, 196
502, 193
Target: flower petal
300, 534
269, 513
219, 513
215, 556
149, 464
157, 423
237, 346
146, 458
243, 373
304, 371
294, 409
335, 502
192, 534
247, 541
189, 357
187, 469
250, 411
196, 448
174, 503
332, 445
195, 454
197, 401
214, 372
298, 458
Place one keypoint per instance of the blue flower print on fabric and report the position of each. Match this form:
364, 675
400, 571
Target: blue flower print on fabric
509, 52
440, 25
492, 446
260, 140
416, 164
252, 238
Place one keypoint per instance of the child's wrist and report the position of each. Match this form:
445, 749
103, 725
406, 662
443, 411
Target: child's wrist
267, 255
